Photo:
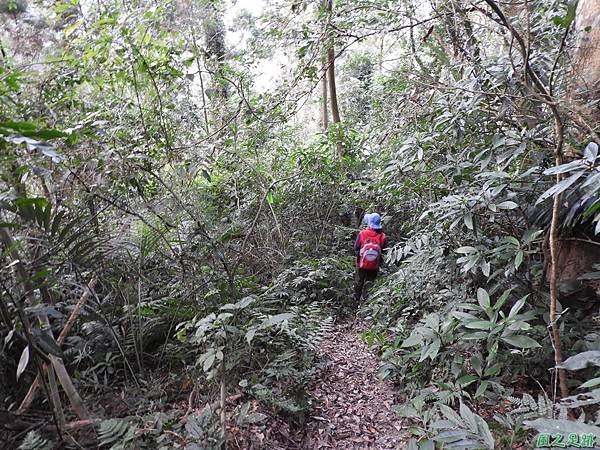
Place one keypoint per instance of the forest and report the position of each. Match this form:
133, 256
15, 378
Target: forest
182, 184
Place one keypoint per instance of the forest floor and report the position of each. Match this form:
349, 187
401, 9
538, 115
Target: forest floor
352, 406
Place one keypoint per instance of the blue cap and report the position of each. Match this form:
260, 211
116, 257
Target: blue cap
374, 221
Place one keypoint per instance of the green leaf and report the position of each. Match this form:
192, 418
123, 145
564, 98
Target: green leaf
277, 319
507, 205
250, 334
432, 350
477, 364
521, 341
426, 445
31, 201
502, 299
468, 417
590, 383
466, 380
492, 371
554, 426
468, 220
582, 360
476, 336
23, 361
413, 340
208, 362
20, 127
530, 235
255, 417
570, 16
564, 168
485, 268
450, 436
483, 298
483, 430
480, 325
451, 415
29, 130
519, 259
590, 153
513, 240
560, 187
71, 28
482, 388
8, 225
516, 307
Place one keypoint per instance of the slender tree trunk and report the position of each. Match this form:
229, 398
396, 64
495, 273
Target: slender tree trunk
222, 403
335, 111
586, 82
199, 67
546, 93
324, 105
215, 63
554, 250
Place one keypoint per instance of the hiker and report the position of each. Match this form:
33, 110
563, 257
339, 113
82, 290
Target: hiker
368, 247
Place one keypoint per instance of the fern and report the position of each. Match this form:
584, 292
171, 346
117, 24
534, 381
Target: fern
308, 327
33, 441
527, 407
119, 434
150, 237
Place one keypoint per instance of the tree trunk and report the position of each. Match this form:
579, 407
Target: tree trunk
554, 255
586, 66
335, 111
324, 106
215, 58
214, 34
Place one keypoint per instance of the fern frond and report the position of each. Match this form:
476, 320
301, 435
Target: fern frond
33, 441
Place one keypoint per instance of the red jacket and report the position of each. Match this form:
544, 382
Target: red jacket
369, 233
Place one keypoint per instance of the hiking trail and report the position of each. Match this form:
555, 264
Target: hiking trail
352, 407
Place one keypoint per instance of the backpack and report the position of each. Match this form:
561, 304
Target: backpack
370, 254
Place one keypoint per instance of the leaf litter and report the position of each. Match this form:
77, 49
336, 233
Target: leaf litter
352, 407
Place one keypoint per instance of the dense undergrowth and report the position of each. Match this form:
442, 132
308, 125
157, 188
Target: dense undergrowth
204, 225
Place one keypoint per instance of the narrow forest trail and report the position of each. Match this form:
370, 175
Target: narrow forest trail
352, 407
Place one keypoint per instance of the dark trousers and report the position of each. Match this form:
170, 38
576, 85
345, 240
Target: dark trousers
364, 280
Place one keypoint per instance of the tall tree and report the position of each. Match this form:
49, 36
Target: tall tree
335, 112
324, 102
587, 56
216, 57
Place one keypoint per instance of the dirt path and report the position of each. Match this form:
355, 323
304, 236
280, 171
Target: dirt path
352, 407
